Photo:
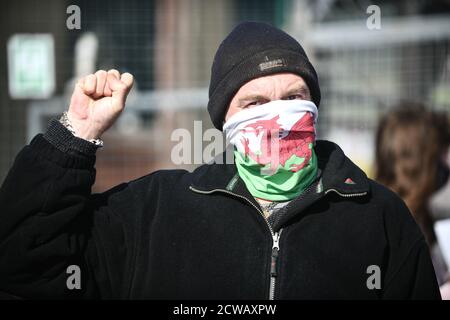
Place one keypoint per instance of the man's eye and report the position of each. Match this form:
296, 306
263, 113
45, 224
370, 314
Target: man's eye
253, 103
295, 97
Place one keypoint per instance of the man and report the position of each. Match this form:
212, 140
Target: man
297, 221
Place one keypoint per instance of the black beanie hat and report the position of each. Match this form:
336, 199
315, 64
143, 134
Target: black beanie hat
252, 50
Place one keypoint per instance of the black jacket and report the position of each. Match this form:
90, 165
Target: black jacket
175, 234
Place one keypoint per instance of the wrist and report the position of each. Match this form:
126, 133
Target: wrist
61, 138
78, 131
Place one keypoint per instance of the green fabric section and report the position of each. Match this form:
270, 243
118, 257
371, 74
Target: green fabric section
284, 184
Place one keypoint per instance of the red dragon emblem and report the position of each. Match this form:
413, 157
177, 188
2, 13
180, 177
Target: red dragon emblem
296, 142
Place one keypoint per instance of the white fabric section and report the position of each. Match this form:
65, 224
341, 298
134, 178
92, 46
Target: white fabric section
289, 112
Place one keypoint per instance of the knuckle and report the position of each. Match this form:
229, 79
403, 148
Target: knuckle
101, 74
114, 72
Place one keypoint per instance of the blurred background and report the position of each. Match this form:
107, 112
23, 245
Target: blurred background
365, 66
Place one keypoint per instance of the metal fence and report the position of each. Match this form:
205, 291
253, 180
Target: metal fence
169, 47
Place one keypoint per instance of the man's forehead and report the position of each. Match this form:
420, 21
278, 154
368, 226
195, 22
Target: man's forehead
283, 81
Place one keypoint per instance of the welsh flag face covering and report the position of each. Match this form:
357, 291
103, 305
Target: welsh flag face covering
274, 152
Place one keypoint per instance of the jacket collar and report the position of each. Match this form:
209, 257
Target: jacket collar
339, 173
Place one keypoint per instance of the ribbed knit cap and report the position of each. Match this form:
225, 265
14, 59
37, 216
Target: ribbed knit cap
252, 50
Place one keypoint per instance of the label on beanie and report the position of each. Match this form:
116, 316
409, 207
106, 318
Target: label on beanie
274, 152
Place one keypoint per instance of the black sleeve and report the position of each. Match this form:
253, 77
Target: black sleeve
409, 271
50, 221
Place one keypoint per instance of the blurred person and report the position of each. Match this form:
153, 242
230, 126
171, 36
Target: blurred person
412, 146
299, 221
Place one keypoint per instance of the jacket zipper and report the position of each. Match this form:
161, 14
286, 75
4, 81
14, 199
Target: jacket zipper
275, 238
275, 235
273, 264
346, 195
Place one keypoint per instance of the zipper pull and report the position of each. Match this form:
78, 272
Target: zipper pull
275, 249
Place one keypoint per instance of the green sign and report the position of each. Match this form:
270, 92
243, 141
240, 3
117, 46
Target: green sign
31, 67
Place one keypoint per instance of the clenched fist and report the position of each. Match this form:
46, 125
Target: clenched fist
97, 101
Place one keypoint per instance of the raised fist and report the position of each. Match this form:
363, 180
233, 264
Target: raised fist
97, 101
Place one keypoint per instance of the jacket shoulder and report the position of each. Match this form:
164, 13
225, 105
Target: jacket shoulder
399, 222
382, 193
138, 193
166, 176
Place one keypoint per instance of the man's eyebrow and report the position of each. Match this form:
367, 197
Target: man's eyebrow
252, 97
298, 89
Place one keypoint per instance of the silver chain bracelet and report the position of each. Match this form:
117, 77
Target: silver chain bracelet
66, 123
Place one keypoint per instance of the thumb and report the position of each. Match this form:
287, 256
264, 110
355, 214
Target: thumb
79, 96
